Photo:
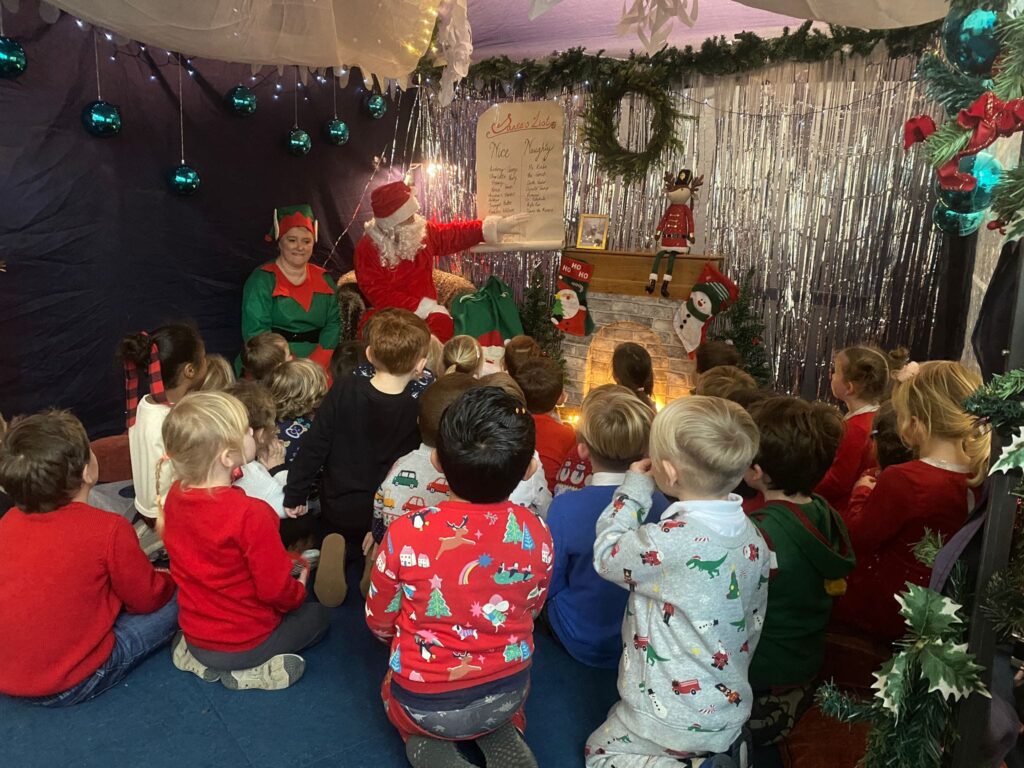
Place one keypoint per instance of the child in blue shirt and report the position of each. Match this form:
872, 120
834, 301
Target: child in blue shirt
583, 610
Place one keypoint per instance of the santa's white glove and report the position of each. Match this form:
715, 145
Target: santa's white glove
496, 226
428, 307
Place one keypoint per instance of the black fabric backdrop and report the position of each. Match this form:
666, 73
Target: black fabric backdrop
95, 243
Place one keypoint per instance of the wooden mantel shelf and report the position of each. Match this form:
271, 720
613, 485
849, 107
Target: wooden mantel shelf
628, 272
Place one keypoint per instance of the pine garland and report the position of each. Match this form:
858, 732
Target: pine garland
745, 52
951, 88
745, 329
1008, 82
946, 143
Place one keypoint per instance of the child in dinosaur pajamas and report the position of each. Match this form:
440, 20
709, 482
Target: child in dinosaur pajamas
698, 590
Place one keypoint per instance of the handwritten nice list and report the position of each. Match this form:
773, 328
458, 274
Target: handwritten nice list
520, 166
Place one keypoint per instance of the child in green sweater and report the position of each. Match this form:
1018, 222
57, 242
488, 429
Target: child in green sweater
811, 556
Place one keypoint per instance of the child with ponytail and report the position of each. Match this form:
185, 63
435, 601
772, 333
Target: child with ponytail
936, 491
173, 360
463, 354
242, 615
861, 377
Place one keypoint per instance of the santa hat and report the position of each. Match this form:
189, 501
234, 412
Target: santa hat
392, 204
717, 287
292, 216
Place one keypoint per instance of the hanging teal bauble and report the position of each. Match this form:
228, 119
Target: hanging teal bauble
376, 105
298, 142
102, 119
12, 58
956, 223
336, 132
986, 169
970, 42
183, 180
241, 100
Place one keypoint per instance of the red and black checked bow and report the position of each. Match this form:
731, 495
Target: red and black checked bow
131, 382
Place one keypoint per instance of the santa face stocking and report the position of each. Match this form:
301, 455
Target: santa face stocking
570, 313
712, 293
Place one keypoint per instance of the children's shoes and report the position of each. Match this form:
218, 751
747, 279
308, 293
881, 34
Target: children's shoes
330, 586
183, 659
505, 748
424, 752
280, 672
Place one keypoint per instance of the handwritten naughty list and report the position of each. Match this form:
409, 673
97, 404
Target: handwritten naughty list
520, 169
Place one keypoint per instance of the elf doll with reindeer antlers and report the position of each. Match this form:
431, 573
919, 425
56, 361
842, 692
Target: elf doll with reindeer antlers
675, 230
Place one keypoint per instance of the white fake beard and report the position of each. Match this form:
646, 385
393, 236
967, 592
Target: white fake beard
402, 244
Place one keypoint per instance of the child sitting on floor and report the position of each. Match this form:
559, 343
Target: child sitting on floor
219, 374
455, 588
463, 354
413, 483
696, 580
346, 358
812, 557
889, 450
297, 387
263, 353
860, 379
243, 615
584, 610
173, 358
935, 492
518, 350
712, 354
71, 626
725, 381
363, 426
542, 382
266, 474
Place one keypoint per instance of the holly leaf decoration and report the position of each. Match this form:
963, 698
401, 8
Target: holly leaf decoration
892, 683
1012, 456
927, 613
950, 670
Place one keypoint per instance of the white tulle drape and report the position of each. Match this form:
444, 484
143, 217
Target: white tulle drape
869, 14
385, 37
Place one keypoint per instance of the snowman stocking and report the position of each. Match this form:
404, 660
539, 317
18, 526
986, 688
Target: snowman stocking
712, 293
569, 312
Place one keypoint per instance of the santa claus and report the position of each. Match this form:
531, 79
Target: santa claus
395, 258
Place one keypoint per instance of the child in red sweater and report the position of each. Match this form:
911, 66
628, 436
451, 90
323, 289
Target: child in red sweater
455, 589
73, 629
861, 379
243, 615
936, 492
541, 380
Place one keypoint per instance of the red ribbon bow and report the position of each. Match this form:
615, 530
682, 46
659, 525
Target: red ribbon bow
917, 129
988, 118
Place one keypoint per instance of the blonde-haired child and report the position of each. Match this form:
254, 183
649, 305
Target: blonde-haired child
696, 580
219, 374
435, 356
585, 611
861, 377
297, 387
935, 491
463, 354
243, 615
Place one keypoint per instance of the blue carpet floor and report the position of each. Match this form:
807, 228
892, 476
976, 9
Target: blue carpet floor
162, 718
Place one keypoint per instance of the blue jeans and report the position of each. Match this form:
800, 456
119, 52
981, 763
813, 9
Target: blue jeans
136, 636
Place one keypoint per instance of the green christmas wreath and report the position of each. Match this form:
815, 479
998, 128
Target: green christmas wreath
600, 130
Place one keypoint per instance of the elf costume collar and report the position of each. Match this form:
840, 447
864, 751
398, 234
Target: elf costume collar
302, 294
292, 216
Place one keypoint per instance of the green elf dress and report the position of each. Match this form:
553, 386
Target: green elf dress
306, 315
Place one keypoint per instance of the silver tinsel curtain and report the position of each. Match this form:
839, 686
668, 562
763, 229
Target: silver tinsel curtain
806, 182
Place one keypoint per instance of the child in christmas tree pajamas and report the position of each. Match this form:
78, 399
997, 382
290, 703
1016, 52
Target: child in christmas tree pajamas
697, 581
455, 588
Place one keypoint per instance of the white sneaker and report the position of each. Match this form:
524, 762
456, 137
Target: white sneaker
311, 556
280, 672
183, 659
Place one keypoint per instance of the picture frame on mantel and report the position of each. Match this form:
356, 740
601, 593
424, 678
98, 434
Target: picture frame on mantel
593, 232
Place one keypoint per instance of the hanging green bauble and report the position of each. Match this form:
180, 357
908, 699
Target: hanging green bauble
376, 105
183, 180
102, 119
987, 170
298, 142
12, 58
336, 132
970, 42
955, 223
241, 100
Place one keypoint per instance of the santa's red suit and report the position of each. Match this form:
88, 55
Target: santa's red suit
408, 282
676, 227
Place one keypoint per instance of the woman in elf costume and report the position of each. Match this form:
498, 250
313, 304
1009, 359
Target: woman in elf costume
289, 295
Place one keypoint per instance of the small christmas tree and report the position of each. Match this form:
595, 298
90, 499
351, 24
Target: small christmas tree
744, 328
513, 652
395, 603
528, 544
513, 533
437, 607
734, 587
535, 314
